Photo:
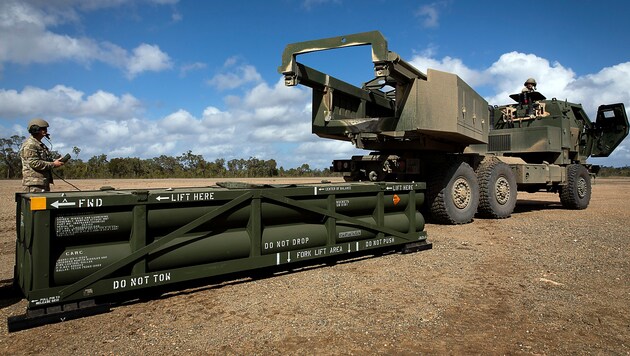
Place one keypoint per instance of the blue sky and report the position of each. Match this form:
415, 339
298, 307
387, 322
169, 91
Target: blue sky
142, 78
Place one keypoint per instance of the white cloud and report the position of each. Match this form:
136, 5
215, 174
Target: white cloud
512, 69
263, 129
147, 58
507, 75
265, 96
180, 122
234, 75
26, 37
448, 64
65, 101
282, 133
608, 86
213, 117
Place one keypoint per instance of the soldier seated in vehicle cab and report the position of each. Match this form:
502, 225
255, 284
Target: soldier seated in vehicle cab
529, 100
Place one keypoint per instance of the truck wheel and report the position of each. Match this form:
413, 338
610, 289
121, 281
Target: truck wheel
576, 194
497, 189
453, 196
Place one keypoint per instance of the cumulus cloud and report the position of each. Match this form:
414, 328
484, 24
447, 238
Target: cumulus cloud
147, 58
27, 38
66, 101
102, 122
179, 123
449, 64
512, 69
300, 131
609, 85
235, 74
213, 117
266, 122
507, 75
263, 95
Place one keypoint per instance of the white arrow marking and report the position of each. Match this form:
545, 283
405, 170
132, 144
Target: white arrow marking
160, 198
357, 245
57, 204
277, 259
288, 256
349, 249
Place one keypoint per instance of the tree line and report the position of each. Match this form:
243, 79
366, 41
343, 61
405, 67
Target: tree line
614, 171
187, 165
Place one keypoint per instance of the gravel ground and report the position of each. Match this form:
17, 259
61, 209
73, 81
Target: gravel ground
545, 281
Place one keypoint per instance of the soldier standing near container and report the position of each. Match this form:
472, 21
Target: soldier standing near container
37, 162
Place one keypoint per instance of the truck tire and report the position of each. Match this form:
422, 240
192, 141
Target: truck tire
576, 194
497, 189
453, 196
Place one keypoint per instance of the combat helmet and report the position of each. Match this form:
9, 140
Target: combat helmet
36, 124
530, 81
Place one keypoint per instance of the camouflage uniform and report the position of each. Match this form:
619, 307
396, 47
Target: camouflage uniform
37, 166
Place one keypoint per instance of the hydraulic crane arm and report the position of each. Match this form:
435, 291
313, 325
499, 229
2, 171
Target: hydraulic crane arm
387, 64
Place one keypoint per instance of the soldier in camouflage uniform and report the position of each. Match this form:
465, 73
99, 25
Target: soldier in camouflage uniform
37, 162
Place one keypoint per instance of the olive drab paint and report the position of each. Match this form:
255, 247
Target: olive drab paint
435, 128
70, 250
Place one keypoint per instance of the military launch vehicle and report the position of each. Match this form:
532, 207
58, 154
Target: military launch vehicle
435, 128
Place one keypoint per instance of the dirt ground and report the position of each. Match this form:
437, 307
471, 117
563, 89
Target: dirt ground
545, 281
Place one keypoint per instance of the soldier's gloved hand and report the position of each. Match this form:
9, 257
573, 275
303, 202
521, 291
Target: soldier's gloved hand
58, 163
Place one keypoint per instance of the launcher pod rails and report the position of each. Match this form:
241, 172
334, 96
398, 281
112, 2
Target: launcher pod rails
78, 251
